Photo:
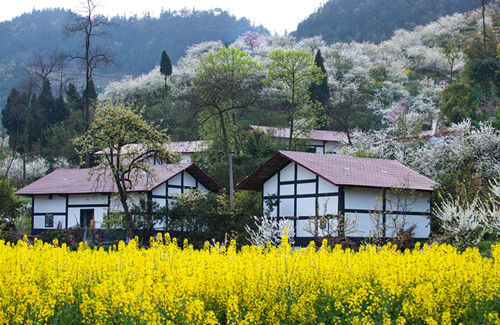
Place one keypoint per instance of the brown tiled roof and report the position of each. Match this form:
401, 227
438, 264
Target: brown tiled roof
80, 181
341, 170
318, 135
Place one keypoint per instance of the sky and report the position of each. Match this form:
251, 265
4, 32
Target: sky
276, 15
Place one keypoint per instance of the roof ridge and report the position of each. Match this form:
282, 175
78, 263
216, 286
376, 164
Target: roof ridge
344, 156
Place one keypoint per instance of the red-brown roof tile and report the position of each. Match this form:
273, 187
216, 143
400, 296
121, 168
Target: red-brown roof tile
81, 181
317, 135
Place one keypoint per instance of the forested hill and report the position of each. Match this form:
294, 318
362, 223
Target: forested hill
136, 42
375, 20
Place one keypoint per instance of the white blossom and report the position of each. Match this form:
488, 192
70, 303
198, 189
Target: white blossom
269, 230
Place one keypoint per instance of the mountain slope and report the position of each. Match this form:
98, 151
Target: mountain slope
135, 42
375, 20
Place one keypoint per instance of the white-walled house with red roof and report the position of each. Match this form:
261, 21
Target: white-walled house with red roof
185, 149
318, 141
67, 198
374, 193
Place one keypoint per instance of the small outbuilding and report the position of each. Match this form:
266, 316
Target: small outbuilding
67, 198
377, 196
318, 141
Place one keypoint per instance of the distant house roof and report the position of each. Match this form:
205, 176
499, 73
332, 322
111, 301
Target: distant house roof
188, 146
318, 135
341, 170
178, 146
80, 181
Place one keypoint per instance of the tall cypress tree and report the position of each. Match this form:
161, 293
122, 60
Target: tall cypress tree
13, 118
75, 101
165, 66
46, 106
61, 109
92, 93
321, 92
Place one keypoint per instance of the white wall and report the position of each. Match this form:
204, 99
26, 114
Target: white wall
76, 202
361, 198
406, 202
331, 147
56, 204
49, 204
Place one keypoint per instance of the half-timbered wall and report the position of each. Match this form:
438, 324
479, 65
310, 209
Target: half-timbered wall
98, 202
299, 195
179, 184
62, 211
53, 211
296, 194
49, 211
323, 147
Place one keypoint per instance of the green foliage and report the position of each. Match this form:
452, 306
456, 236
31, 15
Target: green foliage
91, 90
374, 20
320, 92
476, 95
474, 46
9, 203
126, 142
165, 65
226, 83
13, 119
75, 101
458, 102
208, 216
136, 44
292, 72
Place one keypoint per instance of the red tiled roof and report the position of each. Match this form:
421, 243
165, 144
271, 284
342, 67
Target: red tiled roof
80, 181
318, 135
342, 170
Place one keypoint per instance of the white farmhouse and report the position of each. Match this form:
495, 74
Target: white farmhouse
69, 197
318, 141
185, 149
378, 196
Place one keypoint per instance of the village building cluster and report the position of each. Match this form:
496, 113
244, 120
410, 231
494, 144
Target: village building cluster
313, 191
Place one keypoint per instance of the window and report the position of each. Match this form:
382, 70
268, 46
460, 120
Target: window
49, 220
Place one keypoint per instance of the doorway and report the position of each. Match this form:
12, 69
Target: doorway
86, 218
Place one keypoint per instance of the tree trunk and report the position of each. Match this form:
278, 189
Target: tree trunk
292, 111
126, 213
25, 149
348, 133
227, 150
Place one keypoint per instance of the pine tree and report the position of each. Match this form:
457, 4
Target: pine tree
320, 92
92, 93
75, 101
165, 66
13, 116
61, 109
47, 105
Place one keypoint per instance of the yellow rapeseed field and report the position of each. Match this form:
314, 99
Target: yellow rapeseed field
48, 283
